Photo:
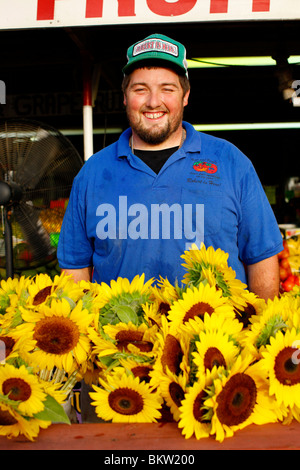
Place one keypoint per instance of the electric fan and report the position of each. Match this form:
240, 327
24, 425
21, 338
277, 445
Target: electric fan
37, 168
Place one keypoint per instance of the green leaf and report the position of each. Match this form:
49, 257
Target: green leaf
126, 314
53, 412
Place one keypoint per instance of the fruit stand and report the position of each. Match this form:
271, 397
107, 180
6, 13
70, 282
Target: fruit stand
289, 262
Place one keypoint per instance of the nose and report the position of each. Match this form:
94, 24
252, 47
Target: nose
154, 99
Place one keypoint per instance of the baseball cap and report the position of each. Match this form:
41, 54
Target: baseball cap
155, 49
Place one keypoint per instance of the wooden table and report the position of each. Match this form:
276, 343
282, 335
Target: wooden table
116, 437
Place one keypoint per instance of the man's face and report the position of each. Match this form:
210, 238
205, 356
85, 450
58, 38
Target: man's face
154, 103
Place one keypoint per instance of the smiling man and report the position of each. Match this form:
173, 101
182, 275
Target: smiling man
138, 204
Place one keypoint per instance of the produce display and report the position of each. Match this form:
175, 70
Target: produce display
24, 265
205, 353
289, 263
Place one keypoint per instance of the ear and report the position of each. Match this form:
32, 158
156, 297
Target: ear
124, 100
186, 98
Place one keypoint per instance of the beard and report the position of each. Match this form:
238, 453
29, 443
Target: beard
156, 134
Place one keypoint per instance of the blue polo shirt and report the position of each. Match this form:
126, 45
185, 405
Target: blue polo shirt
123, 219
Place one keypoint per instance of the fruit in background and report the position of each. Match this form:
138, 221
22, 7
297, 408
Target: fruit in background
285, 253
291, 281
52, 219
289, 263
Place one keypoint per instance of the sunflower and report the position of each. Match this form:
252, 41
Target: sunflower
172, 352
239, 398
278, 315
12, 423
123, 300
13, 294
151, 314
11, 288
210, 265
139, 368
122, 341
172, 388
281, 360
54, 336
124, 399
21, 385
214, 323
250, 307
39, 289
214, 348
196, 302
7, 346
164, 294
194, 418
131, 338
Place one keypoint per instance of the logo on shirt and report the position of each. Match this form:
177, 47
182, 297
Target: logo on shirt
205, 167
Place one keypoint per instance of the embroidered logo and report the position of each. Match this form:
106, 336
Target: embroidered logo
205, 167
156, 45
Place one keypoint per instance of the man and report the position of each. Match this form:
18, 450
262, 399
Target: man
138, 204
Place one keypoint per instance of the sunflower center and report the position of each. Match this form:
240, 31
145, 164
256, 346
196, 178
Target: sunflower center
16, 389
125, 337
172, 355
198, 310
42, 295
126, 401
142, 372
213, 357
164, 308
244, 315
176, 393
6, 419
237, 400
286, 370
198, 410
9, 344
56, 335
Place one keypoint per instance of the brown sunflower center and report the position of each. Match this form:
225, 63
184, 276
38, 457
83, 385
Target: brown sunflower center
213, 357
237, 400
56, 335
6, 419
164, 308
126, 337
244, 315
16, 389
198, 410
176, 393
198, 310
142, 372
42, 295
8, 344
126, 401
172, 355
286, 370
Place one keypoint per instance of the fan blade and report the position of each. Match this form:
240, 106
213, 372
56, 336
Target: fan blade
39, 158
36, 236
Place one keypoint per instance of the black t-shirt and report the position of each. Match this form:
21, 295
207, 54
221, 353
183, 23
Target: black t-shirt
155, 159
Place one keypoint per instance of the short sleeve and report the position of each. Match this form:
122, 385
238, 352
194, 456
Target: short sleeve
259, 236
75, 249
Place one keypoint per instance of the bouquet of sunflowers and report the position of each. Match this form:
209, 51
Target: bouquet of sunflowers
207, 354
